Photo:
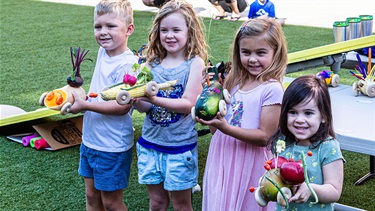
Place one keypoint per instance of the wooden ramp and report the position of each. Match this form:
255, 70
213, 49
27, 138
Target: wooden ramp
328, 55
28, 116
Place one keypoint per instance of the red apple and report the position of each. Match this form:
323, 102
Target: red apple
292, 173
280, 160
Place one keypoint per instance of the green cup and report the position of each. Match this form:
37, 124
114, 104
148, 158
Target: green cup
340, 31
354, 27
366, 25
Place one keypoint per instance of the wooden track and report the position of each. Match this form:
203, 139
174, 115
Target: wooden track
331, 49
28, 116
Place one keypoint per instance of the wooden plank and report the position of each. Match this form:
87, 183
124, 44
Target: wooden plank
28, 116
331, 49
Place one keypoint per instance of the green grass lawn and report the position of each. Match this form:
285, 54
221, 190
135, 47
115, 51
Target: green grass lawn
34, 54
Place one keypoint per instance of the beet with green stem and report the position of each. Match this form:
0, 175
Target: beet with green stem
77, 56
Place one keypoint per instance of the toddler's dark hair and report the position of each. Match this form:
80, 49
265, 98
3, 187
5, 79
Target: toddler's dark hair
303, 89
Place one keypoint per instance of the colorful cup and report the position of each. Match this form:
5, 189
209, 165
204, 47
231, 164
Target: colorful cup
354, 27
340, 31
366, 25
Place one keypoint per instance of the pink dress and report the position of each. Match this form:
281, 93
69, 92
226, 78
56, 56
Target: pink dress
234, 166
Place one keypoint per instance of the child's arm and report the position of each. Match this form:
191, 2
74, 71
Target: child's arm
193, 88
330, 191
267, 126
140, 105
106, 107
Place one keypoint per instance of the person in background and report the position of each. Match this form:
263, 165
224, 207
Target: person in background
154, 3
168, 148
306, 125
108, 137
264, 8
231, 6
237, 150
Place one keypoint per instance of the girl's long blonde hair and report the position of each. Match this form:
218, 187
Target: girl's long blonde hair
272, 33
196, 44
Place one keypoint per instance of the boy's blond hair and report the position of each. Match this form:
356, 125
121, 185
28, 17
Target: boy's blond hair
120, 7
196, 44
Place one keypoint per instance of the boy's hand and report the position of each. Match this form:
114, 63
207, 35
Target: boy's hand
78, 105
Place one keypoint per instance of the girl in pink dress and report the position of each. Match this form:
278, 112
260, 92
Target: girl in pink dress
237, 150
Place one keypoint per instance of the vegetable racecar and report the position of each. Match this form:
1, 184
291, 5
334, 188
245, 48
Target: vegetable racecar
212, 99
329, 78
366, 83
280, 175
62, 98
134, 86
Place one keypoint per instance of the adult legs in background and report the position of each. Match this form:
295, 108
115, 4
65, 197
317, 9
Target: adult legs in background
218, 6
231, 6
242, 5
236, 14
149, 3
154, 3
281, 21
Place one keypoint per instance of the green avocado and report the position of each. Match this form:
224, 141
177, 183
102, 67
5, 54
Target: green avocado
207, 104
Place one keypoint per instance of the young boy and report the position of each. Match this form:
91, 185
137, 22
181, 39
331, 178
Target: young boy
264, 8
108, 136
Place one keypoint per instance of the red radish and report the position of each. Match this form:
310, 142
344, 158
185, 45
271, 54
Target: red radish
129, 79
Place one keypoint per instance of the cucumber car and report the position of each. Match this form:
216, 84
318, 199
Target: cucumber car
213, 99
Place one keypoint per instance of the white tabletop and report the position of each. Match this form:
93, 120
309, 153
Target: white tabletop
353, 120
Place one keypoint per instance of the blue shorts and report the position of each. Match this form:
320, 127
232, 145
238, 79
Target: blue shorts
110, 170
177, 171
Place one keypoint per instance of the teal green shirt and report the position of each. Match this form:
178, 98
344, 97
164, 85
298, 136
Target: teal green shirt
327, 152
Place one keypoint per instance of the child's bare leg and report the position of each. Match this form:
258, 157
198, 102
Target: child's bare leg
159, 198
113, 200
93, 196
181, 200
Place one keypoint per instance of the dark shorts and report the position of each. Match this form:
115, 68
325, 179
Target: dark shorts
110, 170
159, 3
241, 4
